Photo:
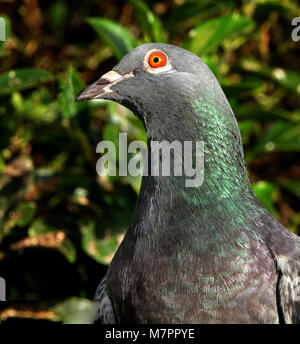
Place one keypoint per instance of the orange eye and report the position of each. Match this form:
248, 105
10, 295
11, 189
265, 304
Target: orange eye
157, 59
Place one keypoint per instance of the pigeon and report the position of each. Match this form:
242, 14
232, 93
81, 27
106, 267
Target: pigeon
205, 254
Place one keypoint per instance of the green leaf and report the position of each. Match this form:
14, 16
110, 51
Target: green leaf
235, 89
286, 78
292, 186
134, 182
114, 35
190, 9
289, 79
70, 88
247, 128
281, 136
111, 133
213, 63
68, 250
102, 250
36, 106
2, 166
5, 30
39, 227
23, 213
22, 79
263, 113
266, 194
205, 37
150, 23
75, 311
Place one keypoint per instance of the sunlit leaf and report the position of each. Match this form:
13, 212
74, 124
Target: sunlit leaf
39, 227
266, 194
150, 23
68, 250
2, 165
115, 36
205, 37
287, 78
27, 313
5, 34
70, 88
75, 311
103, 249
50, 238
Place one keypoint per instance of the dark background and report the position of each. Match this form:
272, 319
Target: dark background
60, 223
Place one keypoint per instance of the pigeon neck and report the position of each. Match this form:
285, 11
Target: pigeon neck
225, 192
209, 122
165, 207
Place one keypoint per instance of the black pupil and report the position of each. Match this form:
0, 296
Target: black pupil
156, 59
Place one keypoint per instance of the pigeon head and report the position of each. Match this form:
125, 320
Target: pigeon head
177, 97
163, 85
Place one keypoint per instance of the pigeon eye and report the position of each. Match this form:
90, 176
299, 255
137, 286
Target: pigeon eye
157, 59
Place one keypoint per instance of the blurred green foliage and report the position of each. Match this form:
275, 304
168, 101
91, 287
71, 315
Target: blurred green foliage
60, 223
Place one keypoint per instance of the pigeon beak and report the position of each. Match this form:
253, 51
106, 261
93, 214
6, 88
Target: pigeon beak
102, 86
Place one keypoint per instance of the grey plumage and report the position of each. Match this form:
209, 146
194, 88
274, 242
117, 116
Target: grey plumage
289, 286
105, 311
